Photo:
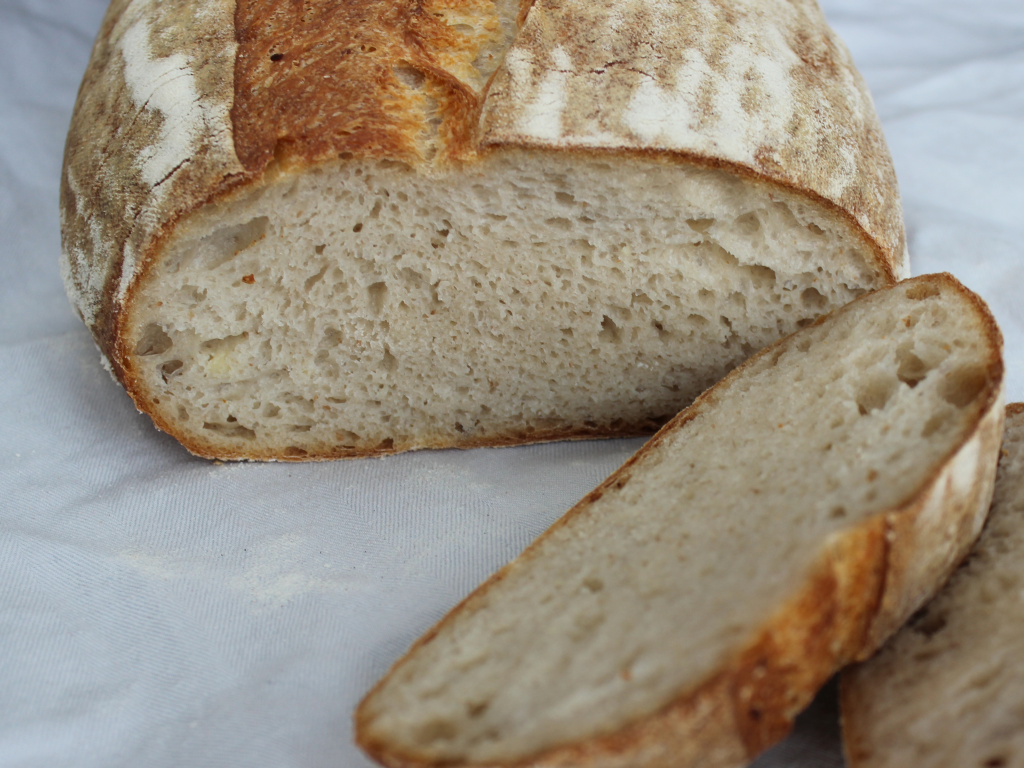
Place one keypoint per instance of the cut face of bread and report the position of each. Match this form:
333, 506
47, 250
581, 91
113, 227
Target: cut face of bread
948, 690
688, 608
364, 307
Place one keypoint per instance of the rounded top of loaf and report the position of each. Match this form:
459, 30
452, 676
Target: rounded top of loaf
186, 102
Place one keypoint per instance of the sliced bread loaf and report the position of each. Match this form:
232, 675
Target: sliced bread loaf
948, 690
315, 230
688, 608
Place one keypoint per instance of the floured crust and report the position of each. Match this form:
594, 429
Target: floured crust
187, 102
867, 583
762, 88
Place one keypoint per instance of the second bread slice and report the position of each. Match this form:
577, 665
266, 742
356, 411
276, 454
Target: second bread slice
688, 608
948, 690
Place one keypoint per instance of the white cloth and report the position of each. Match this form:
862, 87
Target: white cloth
159, 610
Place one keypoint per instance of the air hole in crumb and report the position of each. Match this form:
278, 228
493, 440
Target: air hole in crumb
838, 512
875, 394
227, 344
761, 275
170, 368
223, 245
697, 320
378, 294
314, 279
358, 227
477, 708
922, 291
995, 762
154, 341
960, 387
593, 584
346, 438
610, 332
276, 56
230, 430
390, 361
748, 224
565, 198
815, 230
332, 338
386, 444
700, 225
295, 452
459, 427
911, 369
813, 299
639, 297
270, 410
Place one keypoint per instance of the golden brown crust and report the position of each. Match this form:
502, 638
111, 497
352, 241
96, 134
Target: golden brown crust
869, 580
315, 80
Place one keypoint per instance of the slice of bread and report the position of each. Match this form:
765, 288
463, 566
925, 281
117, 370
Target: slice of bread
948, 690
687, 609
317, 230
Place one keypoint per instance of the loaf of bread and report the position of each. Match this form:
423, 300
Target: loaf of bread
948, 690
315, 230
687, 609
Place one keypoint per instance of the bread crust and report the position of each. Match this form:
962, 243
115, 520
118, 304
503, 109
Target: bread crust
187, 102
868, 581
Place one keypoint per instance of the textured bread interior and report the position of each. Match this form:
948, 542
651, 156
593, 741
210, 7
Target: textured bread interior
646, 592
363, 307
948, 690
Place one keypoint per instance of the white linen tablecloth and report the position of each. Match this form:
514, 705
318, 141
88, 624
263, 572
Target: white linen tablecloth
160, 610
